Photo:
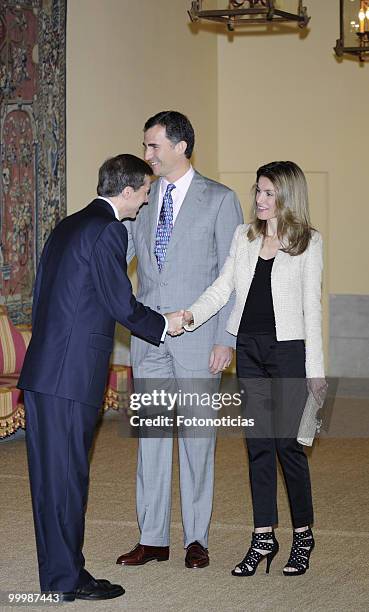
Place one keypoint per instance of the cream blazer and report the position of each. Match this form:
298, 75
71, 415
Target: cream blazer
296, 292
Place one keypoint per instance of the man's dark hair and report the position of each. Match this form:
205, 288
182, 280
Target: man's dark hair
177, 128
122, 171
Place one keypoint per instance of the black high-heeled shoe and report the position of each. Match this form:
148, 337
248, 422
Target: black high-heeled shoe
302, 546
260, 541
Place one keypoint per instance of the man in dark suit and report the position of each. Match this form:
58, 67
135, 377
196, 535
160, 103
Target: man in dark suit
81, 290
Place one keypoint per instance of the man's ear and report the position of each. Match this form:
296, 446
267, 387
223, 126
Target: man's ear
127, 192
181, 147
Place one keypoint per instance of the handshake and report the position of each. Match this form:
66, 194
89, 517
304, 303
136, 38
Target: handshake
177, 320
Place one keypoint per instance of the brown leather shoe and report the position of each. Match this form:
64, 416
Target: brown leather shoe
197, 556
141, 554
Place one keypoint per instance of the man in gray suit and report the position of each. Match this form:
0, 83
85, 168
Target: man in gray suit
181, 240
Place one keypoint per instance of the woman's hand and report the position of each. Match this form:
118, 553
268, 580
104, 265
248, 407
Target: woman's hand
318, 387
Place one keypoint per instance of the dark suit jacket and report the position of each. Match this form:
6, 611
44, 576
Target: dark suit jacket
81, 290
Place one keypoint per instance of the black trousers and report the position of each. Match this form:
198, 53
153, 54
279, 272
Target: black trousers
59, 435
273, 383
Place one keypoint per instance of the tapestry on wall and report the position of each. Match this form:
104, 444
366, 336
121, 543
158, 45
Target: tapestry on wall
32, 141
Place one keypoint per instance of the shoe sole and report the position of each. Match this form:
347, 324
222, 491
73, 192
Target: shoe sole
100, 598
142, 562
196, 566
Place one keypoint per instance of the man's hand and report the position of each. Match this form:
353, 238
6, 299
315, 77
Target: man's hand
220, 358
188, 317
318, 387
175, 323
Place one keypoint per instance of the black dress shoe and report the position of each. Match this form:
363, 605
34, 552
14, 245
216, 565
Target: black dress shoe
94, 590
66, 596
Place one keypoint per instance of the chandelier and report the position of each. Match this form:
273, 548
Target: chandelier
245, 12
354, 29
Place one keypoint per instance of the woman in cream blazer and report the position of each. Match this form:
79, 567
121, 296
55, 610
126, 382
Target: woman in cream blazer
275, 268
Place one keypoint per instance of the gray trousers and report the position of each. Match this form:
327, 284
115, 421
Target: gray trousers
160, 370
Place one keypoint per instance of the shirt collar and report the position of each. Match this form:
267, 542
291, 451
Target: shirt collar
182, 183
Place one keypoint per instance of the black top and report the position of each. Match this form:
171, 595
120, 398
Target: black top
258, 313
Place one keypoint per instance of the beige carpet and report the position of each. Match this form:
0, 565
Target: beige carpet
338, 579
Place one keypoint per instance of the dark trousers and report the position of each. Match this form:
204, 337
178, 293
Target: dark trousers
59, 435
273, 383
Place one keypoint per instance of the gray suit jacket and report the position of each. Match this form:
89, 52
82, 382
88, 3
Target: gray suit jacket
197, 250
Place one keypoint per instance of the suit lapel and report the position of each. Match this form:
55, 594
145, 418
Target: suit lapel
247, 257
254, 251
152, 221
189, 209
282, 260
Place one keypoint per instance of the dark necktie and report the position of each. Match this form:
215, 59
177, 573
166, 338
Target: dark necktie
165, 226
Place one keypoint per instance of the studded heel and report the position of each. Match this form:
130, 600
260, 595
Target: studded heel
260, 541
302, 547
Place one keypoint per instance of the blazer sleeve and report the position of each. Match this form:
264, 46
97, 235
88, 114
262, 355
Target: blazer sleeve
228, 219
219, 293
312, 307
113, 287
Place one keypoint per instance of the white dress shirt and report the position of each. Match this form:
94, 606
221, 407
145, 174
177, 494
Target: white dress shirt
117, 217
178, 194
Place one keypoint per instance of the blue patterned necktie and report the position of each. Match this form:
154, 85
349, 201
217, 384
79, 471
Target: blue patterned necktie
165, 226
